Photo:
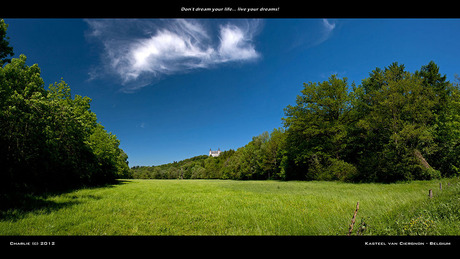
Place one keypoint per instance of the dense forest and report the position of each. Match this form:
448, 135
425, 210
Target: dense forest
395, 126
49, 140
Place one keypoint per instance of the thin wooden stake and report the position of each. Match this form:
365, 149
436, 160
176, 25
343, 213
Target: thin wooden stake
430, 193
350, 229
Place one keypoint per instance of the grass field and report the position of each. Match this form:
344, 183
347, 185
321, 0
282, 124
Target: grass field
224, 207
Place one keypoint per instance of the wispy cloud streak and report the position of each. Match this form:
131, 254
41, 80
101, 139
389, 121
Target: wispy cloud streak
326, 32
310, 33
328, 26
141, 52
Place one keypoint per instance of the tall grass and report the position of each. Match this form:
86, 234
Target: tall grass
439, 215
224, 207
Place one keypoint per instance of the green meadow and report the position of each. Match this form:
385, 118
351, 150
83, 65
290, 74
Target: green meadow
227, 207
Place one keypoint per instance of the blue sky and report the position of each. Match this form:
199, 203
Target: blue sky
171, 89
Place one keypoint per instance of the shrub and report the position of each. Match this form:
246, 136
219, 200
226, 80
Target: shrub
338, 170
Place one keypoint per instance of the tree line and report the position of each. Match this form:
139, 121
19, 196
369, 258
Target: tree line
394, 126
49, 140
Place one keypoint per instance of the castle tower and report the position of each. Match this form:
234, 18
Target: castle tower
214, 153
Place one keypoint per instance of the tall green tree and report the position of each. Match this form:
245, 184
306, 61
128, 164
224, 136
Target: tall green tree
397, 114
111, 160
317, 127
445, 121
273, 154
6, 50
22, 108
49, 140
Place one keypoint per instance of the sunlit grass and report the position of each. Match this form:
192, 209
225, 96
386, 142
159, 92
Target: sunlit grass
216, 207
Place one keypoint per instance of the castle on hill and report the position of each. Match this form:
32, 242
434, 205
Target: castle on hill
214, 153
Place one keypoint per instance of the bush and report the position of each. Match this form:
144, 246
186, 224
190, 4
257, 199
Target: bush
426, 174
338, 170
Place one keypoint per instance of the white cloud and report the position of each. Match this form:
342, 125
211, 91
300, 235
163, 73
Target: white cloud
235, 45
328, 25
140, 52
165, 53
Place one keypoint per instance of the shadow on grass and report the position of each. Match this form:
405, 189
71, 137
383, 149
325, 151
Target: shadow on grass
14, 206
18, 206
